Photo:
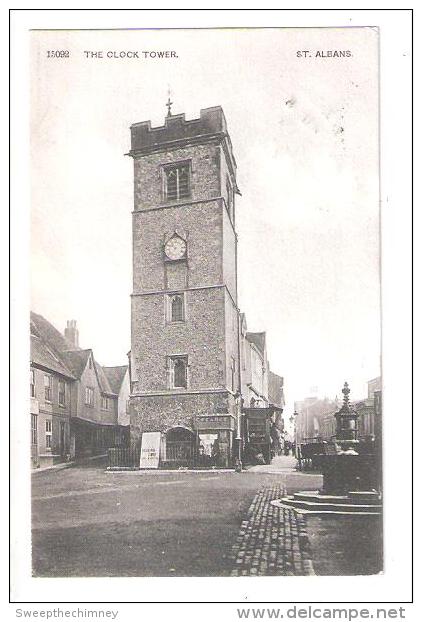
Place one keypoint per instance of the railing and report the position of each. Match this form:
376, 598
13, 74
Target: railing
180, 452
123, 458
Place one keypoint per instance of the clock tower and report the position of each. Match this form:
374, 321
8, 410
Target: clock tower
185, 370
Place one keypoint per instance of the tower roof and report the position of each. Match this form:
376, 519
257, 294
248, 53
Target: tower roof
179, 132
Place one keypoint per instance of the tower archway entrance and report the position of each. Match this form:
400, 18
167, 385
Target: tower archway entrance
180, 446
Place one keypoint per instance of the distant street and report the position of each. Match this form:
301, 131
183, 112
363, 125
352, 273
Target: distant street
87, 522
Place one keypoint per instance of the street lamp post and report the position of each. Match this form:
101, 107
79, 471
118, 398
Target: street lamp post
297, 449
238, 461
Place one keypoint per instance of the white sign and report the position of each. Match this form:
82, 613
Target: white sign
150, 450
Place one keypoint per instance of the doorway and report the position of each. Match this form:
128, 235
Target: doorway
180, 446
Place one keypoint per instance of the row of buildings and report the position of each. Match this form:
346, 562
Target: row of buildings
78, 407
315, 418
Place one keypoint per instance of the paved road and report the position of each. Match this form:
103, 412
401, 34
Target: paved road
87, 522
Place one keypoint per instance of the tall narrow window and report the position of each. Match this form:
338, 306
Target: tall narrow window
48, 433
34, 429
62, 393
32, 383
104, 402
178, 372
177, 309
89, 396
177, 181
180, 379
48, 381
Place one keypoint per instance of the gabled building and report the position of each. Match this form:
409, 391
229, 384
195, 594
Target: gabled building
256, 370
50, 399
118, 378
74, 409
276, 390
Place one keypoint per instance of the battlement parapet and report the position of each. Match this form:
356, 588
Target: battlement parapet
211, 124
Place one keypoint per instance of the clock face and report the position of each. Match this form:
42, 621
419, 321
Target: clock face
175, 248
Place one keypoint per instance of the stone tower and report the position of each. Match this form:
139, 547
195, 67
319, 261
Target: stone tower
185, 350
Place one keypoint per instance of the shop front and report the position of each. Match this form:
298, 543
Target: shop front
215, 435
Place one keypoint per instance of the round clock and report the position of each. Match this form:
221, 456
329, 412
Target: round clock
175, 248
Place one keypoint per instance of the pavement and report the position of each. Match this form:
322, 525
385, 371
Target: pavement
279, 464
67, 465
88, 522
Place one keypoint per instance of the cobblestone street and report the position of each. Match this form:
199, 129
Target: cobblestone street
87, 522
271, 541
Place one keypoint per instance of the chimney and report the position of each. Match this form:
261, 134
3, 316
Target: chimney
71, 333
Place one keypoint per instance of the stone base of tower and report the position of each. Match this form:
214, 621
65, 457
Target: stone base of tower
197, 429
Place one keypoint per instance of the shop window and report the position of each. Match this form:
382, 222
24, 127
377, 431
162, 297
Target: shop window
208, 449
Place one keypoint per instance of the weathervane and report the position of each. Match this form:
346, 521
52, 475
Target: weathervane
169, 104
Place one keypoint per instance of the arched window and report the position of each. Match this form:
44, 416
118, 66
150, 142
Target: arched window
179, 371
177, 309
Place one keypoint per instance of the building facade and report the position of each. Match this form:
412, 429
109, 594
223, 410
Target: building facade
185, 323
118, 379
50, 403
74, 409
316, 417
192, 363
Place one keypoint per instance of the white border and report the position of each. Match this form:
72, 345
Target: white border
394, 585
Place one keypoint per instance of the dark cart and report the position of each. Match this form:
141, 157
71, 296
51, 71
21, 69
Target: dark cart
257, 438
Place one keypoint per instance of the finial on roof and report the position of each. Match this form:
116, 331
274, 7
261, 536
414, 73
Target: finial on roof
169, 104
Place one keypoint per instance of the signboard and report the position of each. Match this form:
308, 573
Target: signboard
215, 422
150, 450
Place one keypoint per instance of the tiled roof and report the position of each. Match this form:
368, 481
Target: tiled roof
76, 360
258, 339
46, 331
43, 356
103, 380
50, 349
115, 376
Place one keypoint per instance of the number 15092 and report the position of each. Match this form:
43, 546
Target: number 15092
58, 54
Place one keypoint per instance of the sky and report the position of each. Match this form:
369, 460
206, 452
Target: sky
305, 137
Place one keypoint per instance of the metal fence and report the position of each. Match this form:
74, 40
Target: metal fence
120, 458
